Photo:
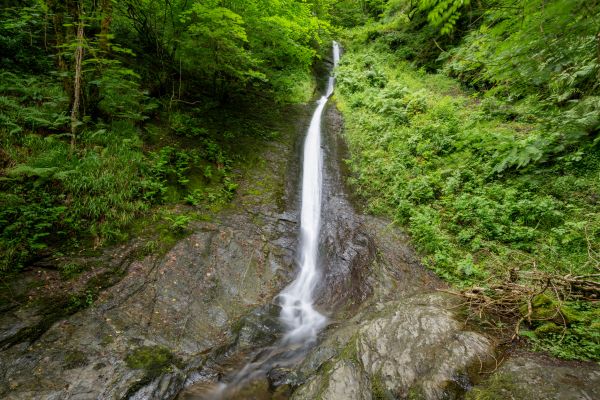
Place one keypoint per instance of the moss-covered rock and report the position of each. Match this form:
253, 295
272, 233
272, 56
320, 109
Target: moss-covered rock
500, 386
547, 308
75, 359
549, 327
529, 376
152, 359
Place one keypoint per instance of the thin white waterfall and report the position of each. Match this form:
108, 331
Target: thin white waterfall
302, 322
298, 315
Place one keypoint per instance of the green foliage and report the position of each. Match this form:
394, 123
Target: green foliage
179, 223
567, 330
79, 301
216, 44
30, 103
378, 389
435, 160
190, 175
226, 47
119, 93
22, 38
70, 270
141, 59
443, 13
540, 55
496, 387
51, 196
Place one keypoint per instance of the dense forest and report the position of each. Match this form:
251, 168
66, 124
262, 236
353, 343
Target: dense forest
98, 97
472, 124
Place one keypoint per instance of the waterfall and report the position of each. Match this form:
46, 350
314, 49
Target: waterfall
298, 315
301, 321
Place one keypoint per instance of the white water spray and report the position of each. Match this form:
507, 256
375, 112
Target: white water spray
302, 321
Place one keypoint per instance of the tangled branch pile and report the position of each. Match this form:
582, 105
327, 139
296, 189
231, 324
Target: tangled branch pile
531, 296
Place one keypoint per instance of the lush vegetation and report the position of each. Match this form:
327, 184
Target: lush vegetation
472, 124
108, 109
476, 128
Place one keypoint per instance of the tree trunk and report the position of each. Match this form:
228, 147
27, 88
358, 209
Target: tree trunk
106, 11
57, 11
77, 81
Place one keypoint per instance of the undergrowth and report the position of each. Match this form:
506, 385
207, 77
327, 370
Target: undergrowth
55, 199
461, 172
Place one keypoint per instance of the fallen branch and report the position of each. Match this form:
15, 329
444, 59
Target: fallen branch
506, 300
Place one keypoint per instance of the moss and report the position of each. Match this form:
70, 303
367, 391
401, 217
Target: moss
350, 351
416, 393
154, 360
549, 327
547, 308
324, 375
71, 270
75, 359
499, 386
378, 389
107, 339
571, 315
283, 392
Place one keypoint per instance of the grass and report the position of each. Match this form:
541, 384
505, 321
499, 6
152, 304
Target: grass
426, 153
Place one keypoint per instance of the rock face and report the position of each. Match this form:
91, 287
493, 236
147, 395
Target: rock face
346, 248
419, 343
527, 376
406, 341
185, 302
142, 336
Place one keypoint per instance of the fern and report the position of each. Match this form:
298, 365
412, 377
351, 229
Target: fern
443, 13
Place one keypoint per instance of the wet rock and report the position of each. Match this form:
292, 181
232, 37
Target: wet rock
19, 320
279, 376
419, 344
399, 349
260, 328
346, 249
344, 380
527, 376
165, 386
189, 302
185, 301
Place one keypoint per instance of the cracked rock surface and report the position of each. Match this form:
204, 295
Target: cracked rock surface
142, 334
405, 341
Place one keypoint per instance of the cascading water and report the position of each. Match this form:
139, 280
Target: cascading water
302, 321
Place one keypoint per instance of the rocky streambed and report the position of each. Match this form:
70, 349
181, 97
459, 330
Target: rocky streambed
172, 325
